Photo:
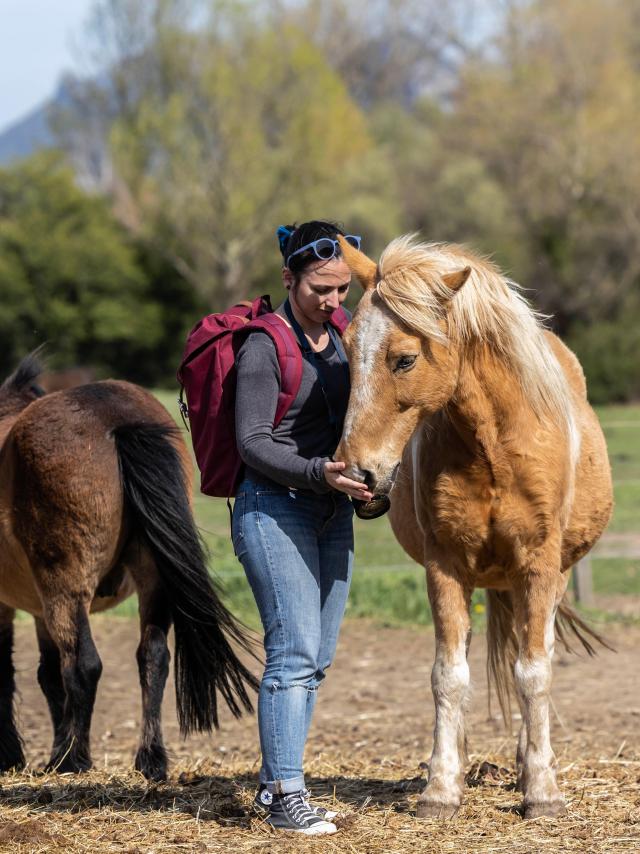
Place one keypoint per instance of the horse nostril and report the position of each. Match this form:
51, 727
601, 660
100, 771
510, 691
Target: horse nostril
362, 475
368, 479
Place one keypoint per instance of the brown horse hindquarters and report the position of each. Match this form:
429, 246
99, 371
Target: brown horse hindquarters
65, 509
96, 495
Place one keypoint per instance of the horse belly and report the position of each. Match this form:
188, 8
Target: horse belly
17, 585
104, 603
592, 503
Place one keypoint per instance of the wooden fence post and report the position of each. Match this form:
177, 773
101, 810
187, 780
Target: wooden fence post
583, 582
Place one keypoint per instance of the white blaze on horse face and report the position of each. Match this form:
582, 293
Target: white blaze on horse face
371, 329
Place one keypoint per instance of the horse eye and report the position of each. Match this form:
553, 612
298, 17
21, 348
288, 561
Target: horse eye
404, 363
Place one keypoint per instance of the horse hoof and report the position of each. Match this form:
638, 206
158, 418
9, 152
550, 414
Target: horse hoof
68, 764
152, 763
12, 758
550, 809
431, 809
9, 764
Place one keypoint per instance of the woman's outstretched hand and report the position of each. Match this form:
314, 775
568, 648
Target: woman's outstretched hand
334, 477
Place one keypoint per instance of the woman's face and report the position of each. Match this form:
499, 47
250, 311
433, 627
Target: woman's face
322, 288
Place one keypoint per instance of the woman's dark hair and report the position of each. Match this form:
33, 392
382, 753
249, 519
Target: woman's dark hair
300, 235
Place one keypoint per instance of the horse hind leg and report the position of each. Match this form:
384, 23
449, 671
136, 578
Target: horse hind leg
153, 661
67, 622
450, 681
50, 678
11, 753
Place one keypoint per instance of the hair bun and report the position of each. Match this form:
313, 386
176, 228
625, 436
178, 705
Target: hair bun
283, 234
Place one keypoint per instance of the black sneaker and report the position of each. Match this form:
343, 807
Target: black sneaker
292, 812
323, 812
263, 800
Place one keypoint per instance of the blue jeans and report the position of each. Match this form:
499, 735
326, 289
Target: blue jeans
296, 548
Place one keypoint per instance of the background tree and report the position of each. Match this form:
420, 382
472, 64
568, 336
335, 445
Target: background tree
510, 125
218, 133
69, 276
552, 114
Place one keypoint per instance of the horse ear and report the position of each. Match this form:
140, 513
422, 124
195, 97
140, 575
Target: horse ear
359, 264
456, 280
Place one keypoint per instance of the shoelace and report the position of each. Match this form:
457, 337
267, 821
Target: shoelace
306, 797
299, 809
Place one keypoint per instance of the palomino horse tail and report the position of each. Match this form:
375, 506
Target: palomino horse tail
154, 484
502, 649
502, 642
568, 621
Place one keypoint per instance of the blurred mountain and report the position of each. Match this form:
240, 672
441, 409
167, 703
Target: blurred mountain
31, 133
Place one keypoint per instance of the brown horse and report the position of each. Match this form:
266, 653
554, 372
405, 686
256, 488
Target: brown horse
502, 481
94, 504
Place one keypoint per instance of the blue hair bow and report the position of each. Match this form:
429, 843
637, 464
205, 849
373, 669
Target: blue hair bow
283, 233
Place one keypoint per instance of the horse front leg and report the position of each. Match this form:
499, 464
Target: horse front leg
11, 754
449, 682
535, 598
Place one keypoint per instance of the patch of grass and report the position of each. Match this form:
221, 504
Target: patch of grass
616, 576
626, 511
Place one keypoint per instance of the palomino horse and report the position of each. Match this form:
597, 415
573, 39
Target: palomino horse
501, 474
94, 486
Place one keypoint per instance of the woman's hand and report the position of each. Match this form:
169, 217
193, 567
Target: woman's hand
333, 476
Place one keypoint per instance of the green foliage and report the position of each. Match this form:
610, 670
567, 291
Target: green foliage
549, 114
221, 132
610, 355
70, 276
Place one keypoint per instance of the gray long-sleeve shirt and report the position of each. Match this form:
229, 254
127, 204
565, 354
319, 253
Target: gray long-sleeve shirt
294, 452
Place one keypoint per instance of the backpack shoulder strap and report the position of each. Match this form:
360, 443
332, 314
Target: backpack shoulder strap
289, 359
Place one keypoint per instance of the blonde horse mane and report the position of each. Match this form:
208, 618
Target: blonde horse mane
488, 308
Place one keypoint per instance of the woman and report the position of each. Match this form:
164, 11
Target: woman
292, 519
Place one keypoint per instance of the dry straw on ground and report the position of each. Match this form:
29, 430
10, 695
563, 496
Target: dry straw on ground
367, 755
203, 811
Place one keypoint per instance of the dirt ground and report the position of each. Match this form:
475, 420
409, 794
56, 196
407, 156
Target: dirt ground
367, 753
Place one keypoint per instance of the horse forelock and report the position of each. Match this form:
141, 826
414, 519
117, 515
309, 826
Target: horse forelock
488, 308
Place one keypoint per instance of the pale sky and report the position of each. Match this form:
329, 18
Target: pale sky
36, 46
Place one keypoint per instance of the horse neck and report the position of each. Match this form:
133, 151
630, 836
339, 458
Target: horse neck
488, 408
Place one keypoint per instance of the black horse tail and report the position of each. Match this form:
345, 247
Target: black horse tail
154, 484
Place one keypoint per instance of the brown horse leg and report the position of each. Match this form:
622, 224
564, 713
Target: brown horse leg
67, 621
11, 755
535, 601
50, 677
153, 661
449, 681
153, 665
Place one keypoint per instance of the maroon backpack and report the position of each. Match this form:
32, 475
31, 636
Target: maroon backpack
207, 375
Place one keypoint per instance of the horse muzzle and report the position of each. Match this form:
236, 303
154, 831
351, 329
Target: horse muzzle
378, 482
